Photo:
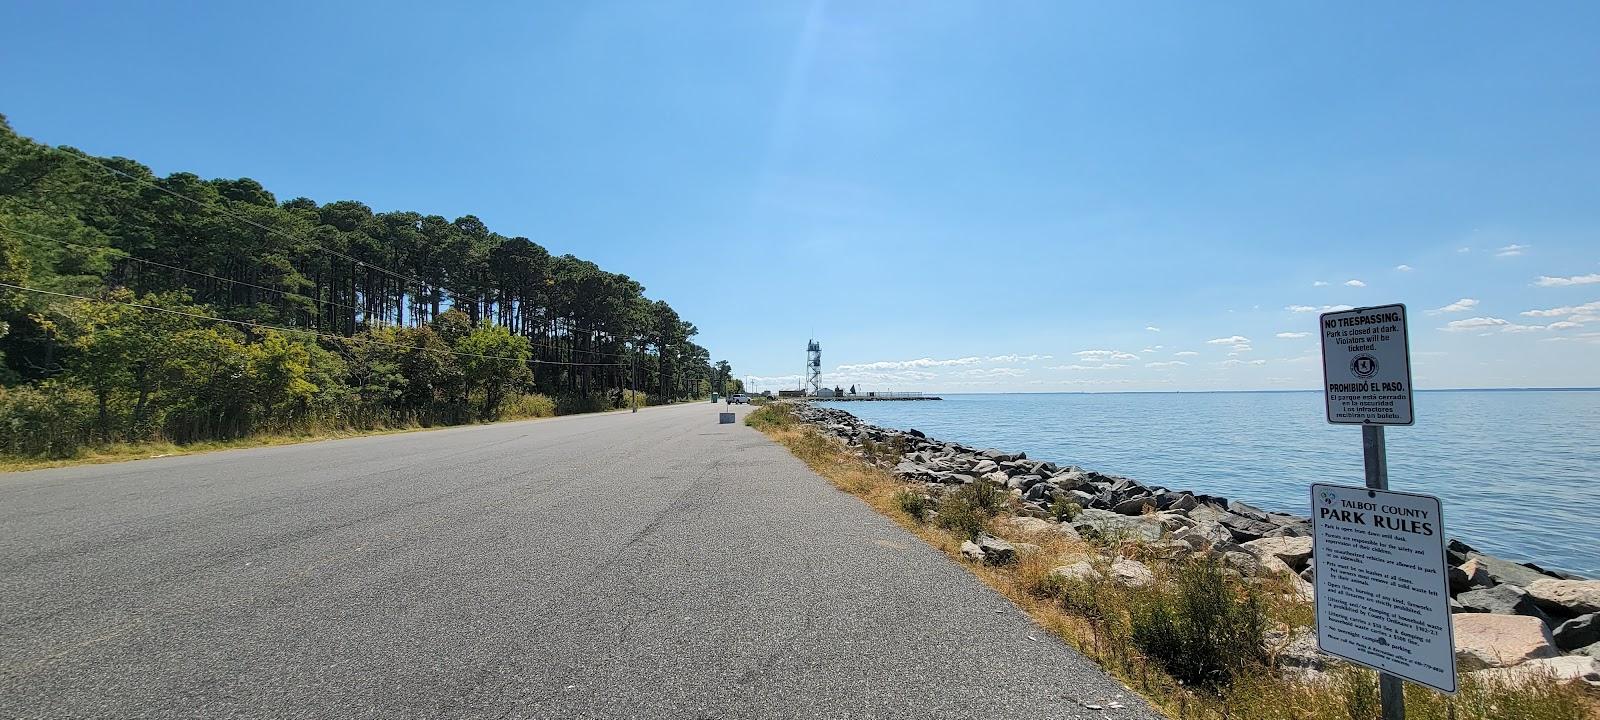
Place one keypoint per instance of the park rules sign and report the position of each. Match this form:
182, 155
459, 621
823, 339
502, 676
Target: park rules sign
1383, 588
1366, 366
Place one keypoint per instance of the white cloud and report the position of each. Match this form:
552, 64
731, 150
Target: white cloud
1105, 355
1314, 308
1291, 335
1461, 305
1584, 309
1237, 362
1018, 358
1403, 268
1230, 340
1107, 366
1355, 283
1319, 283
1547, 281
1463, 249
1240, 348
1185, 353
1563, 325
880, 378
994, 372
1473, 323
1511, 250
1169, 363
1152, 328
909, 364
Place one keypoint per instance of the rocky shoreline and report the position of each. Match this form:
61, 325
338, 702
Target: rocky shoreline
1509, 618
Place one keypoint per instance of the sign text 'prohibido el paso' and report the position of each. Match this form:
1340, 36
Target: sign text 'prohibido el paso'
1366, 366
1383, 589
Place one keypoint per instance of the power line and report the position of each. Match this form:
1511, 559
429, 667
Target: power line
135, 258
263, 326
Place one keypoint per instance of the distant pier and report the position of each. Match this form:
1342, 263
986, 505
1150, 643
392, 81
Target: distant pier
872, 397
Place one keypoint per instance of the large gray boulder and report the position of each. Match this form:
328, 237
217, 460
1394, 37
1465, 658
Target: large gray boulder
1080, 571
1296, 651
1504, 571
1249, 511
1292, 551
1578, 632
1135, 505
1245, 529
1131, 573
1560, 669
1179, 502
1204, 535
989, 549
1501, 600
1106, 525
1485, 640
1469, 575
1567, 597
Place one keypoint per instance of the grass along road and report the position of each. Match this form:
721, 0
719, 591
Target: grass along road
1097, 614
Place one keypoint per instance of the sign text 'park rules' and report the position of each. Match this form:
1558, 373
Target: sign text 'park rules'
1366, 366
1383, 596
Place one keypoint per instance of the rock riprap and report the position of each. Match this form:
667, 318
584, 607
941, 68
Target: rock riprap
1509, 613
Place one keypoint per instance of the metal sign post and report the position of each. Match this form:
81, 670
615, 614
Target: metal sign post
1375, 456
1382, 578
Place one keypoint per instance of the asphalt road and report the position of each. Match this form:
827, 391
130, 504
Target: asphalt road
624, 565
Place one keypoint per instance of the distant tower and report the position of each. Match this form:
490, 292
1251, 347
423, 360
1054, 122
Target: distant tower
814, 366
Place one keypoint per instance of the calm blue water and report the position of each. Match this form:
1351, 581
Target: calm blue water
1518, 471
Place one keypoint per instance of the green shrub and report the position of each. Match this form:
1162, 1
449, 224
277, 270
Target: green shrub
967, 511
912, 503
774, 416
578, 403
986, 496
51, 420
1358, 689
962, 517
531, 405
631, 399
1202, 627
1063, 509
889, 452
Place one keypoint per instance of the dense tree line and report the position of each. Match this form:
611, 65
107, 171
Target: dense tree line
332, 315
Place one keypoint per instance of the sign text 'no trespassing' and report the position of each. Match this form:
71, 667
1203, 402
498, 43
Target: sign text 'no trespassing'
1366, 366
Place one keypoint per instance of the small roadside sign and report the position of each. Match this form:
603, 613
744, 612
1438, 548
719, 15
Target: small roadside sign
1383, 595
1366, 366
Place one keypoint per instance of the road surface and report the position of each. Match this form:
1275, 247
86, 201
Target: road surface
610, 566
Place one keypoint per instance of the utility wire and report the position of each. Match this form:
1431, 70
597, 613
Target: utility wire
263, 326
135, 258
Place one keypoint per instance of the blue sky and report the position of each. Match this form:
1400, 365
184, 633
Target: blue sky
951, 196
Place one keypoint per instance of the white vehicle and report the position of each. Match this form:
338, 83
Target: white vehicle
740, 399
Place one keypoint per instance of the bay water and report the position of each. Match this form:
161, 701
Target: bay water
1518, 470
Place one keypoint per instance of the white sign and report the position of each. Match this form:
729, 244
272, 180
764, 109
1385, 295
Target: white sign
1366, 366
1383, 588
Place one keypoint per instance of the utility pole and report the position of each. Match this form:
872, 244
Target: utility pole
634, 401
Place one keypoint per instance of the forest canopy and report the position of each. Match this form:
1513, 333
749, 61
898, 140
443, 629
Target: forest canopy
139, 308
